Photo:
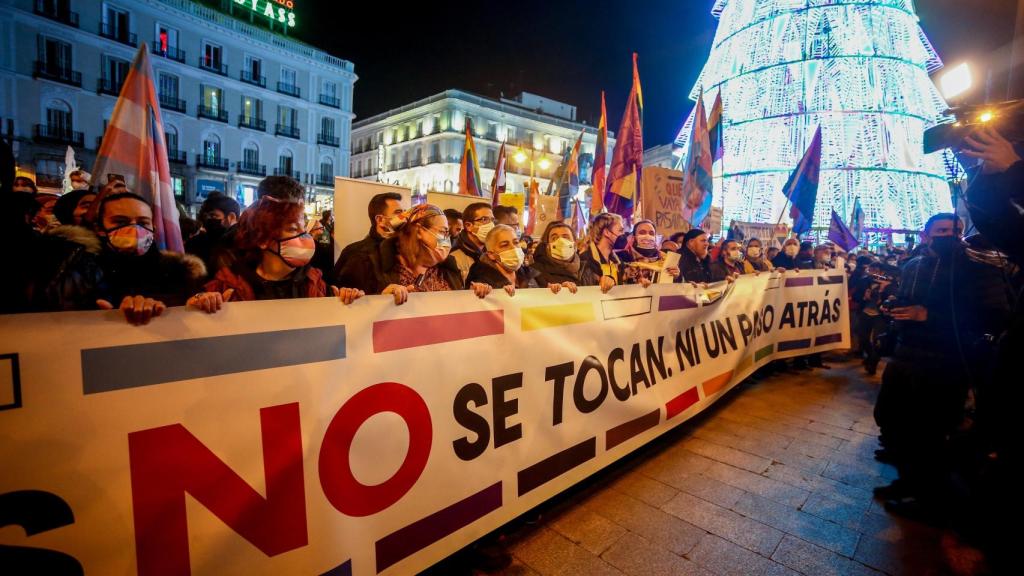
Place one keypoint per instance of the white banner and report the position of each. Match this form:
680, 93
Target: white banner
307, 437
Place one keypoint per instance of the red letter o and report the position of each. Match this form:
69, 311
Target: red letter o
343, 491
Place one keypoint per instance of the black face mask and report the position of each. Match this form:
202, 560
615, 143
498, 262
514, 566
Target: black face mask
214, 227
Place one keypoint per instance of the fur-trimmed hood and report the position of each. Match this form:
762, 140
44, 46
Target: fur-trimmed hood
78, 235
191, 267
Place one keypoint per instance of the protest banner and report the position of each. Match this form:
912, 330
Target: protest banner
547, 212
662, 200
309, 437
353, 225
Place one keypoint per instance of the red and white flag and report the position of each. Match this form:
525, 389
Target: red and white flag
133, 146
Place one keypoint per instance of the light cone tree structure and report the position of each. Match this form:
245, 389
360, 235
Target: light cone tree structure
859, 69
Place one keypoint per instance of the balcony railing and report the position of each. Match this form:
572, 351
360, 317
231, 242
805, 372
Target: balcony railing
289, 89
212, 162
49, 10
286, 131
108, 86
171, 103
118, 34
248, 77
213, 66
218, 114
328, 140
252, 169
63, 74
171, 52
177, 156
324, 180
331, 101
291, 173
252, 123
434, 159
58, 135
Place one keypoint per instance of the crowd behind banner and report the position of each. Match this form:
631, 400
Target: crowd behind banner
945, 312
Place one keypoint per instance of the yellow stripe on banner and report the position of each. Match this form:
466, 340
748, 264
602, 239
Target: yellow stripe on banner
744, 364
550, 316
717, 383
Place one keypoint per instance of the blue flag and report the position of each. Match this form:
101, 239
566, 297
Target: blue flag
857, 220
802, 187
840, 234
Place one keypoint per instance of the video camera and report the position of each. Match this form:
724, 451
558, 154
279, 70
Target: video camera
1006, 117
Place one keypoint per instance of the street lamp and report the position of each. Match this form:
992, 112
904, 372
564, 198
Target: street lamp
522, 157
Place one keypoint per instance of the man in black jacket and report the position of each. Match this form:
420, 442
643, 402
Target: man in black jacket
694, 262
383, 211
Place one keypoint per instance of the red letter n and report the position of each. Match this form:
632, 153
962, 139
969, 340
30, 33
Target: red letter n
169, 461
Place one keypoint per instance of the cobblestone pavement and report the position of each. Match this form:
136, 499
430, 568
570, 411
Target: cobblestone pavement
775, 479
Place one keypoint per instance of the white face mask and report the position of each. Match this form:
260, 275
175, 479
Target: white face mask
791, 250
733, 255
753, 252
512, 259
563, 249
483, 230
646, 242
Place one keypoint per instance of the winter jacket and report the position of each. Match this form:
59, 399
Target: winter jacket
466, 254
487, 273
593, 266
720, 270
693, 269
306, 282
382, 268
352, 254
170, 277
66, 273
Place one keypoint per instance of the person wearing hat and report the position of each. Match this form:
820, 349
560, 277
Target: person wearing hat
415, 259
694, 261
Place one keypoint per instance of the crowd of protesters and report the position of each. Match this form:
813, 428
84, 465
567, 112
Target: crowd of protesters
944, 312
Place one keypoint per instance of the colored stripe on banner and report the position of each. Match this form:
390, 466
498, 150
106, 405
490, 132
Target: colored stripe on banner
773, 283
805, 281
409, 540
717, 383
389, 335
666, 303
794, 345
679, 404
554, 466
340, 570
744, 364
828, 339
136, 365
615, 436
625, 307
541, 317
764, 352
822, 280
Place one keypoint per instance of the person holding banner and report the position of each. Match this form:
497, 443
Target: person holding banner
599, 266
786, 260
385, 212
139, 278
694, 262
556, 260
727, 266
478, 220
754, 260
416, 259
502, 264
642, 260
274, 253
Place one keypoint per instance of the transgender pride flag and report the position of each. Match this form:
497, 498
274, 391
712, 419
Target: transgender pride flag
133, 146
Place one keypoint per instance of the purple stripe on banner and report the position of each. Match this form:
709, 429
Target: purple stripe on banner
666, 303
554, 466
405, 333
340, 570
805, 281
623, 432
794, 345
828, 339
830, 280
409, 540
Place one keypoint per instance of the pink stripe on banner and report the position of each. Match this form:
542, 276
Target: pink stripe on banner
805, 281
675, 303
391, 335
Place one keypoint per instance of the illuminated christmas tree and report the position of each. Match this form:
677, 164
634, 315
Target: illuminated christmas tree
860, 71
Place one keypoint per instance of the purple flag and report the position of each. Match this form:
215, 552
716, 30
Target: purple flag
840, 234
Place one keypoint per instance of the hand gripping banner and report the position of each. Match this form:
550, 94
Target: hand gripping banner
309, 437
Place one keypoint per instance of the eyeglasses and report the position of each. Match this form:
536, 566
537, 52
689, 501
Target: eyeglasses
483, 220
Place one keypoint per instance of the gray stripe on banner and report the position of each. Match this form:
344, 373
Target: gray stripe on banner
136, 365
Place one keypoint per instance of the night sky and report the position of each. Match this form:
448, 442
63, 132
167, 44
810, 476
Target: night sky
571, 51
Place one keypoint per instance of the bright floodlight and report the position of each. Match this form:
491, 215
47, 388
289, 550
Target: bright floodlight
520, 157
544, 163
956, 81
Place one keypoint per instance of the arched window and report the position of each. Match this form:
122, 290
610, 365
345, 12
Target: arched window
251, 156
211, 148
171, 138
284, 163
58, 118
326, 171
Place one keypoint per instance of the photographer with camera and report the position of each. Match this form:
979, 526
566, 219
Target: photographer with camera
944, 306
876, 292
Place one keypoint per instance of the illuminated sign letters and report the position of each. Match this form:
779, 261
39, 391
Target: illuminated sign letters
275, 10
